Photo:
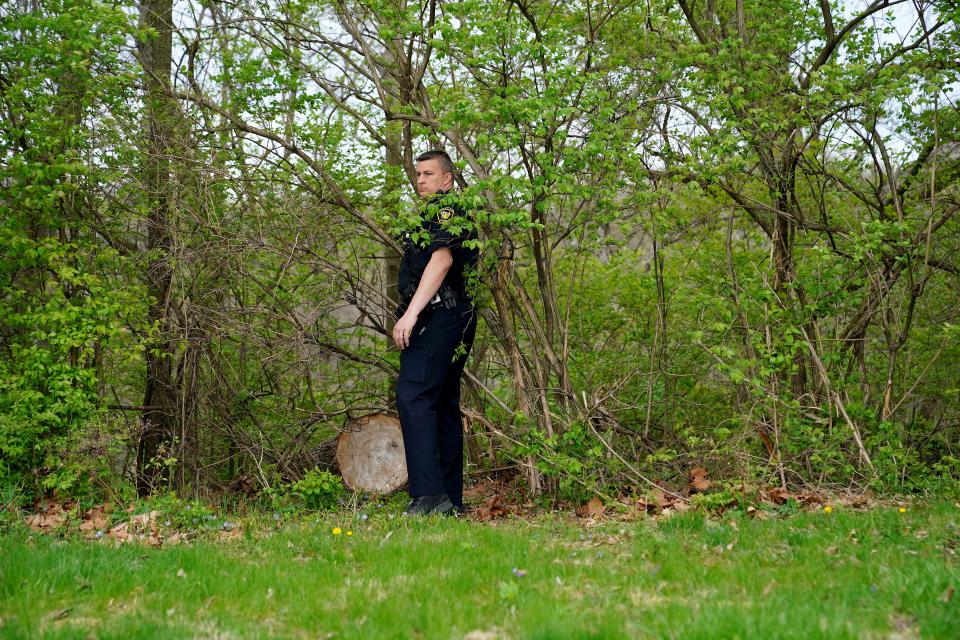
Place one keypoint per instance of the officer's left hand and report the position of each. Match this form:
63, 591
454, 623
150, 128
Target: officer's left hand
403, 330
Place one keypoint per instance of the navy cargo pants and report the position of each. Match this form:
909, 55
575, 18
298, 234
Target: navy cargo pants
428, 400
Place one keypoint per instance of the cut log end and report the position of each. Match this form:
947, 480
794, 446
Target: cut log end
370, 454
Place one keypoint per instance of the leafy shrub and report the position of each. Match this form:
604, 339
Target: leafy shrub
319, 490
574, 459
64, 307
716, 501
87, 463
181, 514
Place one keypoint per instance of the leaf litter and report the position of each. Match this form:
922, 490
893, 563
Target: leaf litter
492, 499
144, 528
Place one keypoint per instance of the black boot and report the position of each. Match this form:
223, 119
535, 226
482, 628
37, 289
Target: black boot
429, 505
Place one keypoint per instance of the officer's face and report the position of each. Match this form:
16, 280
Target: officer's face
432, 178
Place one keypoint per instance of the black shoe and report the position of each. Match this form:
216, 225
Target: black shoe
429, 505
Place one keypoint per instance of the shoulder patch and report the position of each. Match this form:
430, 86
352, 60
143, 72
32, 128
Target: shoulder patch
445, 214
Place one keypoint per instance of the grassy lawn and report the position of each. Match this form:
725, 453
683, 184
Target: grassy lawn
857, 574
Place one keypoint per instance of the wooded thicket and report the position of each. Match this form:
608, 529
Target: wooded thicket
718, 233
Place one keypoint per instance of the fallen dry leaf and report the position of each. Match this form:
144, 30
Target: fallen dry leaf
491, 509
810, 498
232, 534
145, 522
49, 516
680, 506
698, 479
658, 502
95, 519
856, 501
119, 532
593, 508
777, 495
176, 538
642, 504
143, 528
947, 594
46, 522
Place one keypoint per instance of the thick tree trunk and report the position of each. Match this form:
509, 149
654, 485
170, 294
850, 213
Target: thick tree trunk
159, 394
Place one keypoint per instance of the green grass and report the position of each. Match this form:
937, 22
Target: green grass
871, 574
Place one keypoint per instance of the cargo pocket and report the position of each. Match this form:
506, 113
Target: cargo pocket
413, 364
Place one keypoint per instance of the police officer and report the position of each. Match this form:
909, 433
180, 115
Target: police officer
435, 331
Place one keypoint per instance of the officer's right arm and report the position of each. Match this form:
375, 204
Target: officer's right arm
440, 262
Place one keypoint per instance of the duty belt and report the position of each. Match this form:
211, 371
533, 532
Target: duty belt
446, 297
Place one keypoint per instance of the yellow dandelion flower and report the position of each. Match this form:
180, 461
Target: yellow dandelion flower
336, 531
902, 509
827, 509
349, 533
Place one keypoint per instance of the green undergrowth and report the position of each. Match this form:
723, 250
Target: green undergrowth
846, 574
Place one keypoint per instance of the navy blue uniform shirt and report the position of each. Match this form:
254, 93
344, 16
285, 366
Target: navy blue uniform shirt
438, 214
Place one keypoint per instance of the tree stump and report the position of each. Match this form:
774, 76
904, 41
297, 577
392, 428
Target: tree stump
370, 454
